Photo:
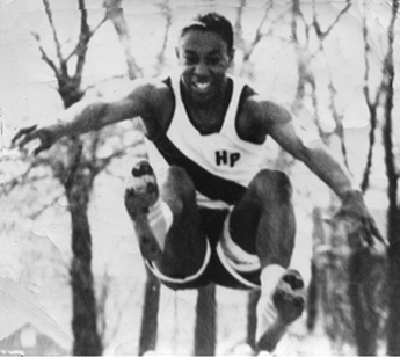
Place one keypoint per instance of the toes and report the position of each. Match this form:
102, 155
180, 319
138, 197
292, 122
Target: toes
289, 297
151, 188
129, 193
294, 279
142, 168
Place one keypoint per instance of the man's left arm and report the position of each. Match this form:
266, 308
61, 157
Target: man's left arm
317, 157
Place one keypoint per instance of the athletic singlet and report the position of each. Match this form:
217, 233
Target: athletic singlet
220, 164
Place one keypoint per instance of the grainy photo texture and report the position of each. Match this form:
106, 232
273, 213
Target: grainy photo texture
199, 178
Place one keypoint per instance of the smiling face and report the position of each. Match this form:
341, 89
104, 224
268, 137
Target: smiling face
204, 59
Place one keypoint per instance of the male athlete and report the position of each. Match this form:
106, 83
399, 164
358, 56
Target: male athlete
202, 207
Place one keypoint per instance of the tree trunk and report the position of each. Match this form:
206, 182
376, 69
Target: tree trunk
253, 297
149, 326
312, 299
206, 322
87, 341
393, 323
393, 224
363, 300
148, 332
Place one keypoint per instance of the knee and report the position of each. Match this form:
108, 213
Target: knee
272, 184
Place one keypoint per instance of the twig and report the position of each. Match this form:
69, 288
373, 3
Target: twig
339, 129
49, 14
323, 34
79, 47
45, 207
161, 56
45, 57
116, 15
98, 165
69, 182
84, 38
258, 35
372, 104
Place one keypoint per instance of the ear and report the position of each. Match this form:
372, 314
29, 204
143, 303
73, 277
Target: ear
231, 56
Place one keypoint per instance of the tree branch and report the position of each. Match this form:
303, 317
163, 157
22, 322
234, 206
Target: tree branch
317, 28
258, 35
388, 77
168, 13
79, 48
98, 165
45, 57
63, 66
84, 38
116, 15
45, 207
339, 130
76, 159
371, 104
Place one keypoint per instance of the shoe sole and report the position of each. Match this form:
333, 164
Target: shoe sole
142, 192
289, 300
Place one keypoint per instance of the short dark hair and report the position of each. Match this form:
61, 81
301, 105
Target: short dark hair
215, 23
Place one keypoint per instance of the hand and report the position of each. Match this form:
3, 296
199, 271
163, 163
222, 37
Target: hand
31, 133
354, 209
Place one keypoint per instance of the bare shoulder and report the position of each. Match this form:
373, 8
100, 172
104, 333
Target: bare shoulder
139, 97
149, 90
265, 111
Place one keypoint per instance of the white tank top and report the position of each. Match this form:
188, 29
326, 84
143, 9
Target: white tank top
223, 163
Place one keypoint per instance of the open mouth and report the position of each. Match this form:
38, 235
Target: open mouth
202, 87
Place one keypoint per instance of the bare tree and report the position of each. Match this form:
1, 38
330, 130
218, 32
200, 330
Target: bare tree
78, 183
76, 170
372, 102
392, 173
149, 321
117, 16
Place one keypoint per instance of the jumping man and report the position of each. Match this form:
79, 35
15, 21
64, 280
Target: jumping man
202, 207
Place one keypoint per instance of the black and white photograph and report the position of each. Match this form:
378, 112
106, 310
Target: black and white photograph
199, 178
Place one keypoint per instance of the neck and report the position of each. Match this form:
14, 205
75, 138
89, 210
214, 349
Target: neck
212, 103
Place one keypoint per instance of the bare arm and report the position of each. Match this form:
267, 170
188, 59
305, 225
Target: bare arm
312, 152
278, 123
87, 116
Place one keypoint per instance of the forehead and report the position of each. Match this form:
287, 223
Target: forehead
202, 41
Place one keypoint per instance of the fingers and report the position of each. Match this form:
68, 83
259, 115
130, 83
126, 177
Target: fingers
23, 132
366, 224
46, 143
25, 135
373, 228
40, 148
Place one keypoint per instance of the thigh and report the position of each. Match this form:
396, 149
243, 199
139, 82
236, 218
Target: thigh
263, 222
187, 251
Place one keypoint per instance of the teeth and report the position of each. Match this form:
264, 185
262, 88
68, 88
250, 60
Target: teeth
202, 85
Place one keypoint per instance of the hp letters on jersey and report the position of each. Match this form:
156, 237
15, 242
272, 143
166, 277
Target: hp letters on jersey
223, 157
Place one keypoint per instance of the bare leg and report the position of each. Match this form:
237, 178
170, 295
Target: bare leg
185, 243
265, 216
263, 222
174, 244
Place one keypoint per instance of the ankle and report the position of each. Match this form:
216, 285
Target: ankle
270, 276
160, 219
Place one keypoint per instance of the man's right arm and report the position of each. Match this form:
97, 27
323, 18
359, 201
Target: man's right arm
86, 116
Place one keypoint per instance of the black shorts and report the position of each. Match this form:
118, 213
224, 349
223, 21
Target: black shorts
218, 267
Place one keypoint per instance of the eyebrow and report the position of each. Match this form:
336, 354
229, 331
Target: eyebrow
213, 52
